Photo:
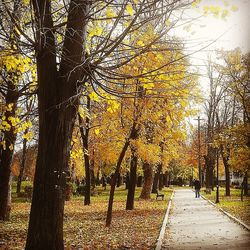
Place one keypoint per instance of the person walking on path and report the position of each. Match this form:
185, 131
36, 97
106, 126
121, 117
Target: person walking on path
197, 187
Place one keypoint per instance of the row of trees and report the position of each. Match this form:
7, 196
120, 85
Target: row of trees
225, 129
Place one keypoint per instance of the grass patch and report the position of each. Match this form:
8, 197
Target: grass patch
232, 204
84, 226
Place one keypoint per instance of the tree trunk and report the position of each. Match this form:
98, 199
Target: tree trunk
92, 172
127, 180
161, 182
117, 171
225, 159
5, 205
92, 178
87, 185
148, 181
9, 137
113, 184
22, 167
155, 183
210, 163
6, 156
98, 178
156, 179
227, 174
119, 180
246, 183
84, 130
139, 181
132, 182
57, 109
166, 179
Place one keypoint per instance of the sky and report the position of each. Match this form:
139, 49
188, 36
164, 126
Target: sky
227, 34
234, 30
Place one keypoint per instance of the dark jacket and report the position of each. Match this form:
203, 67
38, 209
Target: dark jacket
197, 184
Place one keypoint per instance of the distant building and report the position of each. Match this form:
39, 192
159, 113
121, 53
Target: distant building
236, 179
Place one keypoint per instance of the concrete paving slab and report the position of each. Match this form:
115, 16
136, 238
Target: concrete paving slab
195, 224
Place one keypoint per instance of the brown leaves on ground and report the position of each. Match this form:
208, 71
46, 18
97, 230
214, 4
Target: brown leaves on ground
84, 226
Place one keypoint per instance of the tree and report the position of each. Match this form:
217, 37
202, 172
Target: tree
234, 137
85, 138
13, 69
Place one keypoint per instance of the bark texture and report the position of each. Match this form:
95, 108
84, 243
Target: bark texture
84, 130
132, 182
148, 181
22, 167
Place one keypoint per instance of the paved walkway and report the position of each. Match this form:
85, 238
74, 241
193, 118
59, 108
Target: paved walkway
196, 224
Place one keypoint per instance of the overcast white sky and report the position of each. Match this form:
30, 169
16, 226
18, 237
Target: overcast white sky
236, 26
223, 34
226, 34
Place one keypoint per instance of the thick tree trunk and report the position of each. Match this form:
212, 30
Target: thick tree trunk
46, 217
22, 167
57, 112
148, 181
132, 182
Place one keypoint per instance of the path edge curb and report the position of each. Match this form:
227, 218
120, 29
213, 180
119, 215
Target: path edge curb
228, 214
164, 224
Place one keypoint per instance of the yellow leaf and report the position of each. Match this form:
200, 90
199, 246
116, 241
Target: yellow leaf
130, 9
3, 143
234, 8
167, 23
97, 131
110, 13
98, 31
140, 43
93, 96
168, 120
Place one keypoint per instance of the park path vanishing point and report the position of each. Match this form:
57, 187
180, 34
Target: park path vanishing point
196, 224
